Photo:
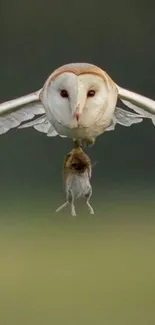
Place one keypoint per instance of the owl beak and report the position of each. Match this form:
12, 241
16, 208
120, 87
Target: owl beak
78, 102
76, 116
78, 111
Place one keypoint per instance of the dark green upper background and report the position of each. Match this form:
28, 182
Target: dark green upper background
38, 36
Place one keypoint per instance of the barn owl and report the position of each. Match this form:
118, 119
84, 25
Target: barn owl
78, 101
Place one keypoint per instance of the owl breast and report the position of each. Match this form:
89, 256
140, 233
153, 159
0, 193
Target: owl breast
82, 130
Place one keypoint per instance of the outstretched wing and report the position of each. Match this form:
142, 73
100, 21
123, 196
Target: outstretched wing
24, 112
42, 124
140, 104
143, 106
16, 111
124, 118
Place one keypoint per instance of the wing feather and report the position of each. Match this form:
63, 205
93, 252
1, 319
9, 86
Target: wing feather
16, 111
124, 118
140, 104
26, 111
147, 104
42, 124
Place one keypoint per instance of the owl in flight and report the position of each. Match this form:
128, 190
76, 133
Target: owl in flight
78, 101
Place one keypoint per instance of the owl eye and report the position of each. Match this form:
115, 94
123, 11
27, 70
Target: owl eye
91, 93
64, 93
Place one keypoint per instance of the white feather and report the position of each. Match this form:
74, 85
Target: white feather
140, 101
41, 124
16, 111
124, 118
140, 111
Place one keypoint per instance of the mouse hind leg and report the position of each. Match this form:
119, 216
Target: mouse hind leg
88, 196
70, 198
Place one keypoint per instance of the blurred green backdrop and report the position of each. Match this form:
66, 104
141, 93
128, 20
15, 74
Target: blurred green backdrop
56, 269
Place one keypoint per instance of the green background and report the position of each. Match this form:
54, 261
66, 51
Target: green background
56, 269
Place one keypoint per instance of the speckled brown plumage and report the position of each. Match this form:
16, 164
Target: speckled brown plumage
77, 161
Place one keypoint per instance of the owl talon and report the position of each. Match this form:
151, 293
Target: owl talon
87, 143
77, 143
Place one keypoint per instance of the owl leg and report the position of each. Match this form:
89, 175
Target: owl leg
77, 143
70, 198
88, 196
88, 142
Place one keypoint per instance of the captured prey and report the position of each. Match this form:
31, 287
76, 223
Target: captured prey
77, 172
